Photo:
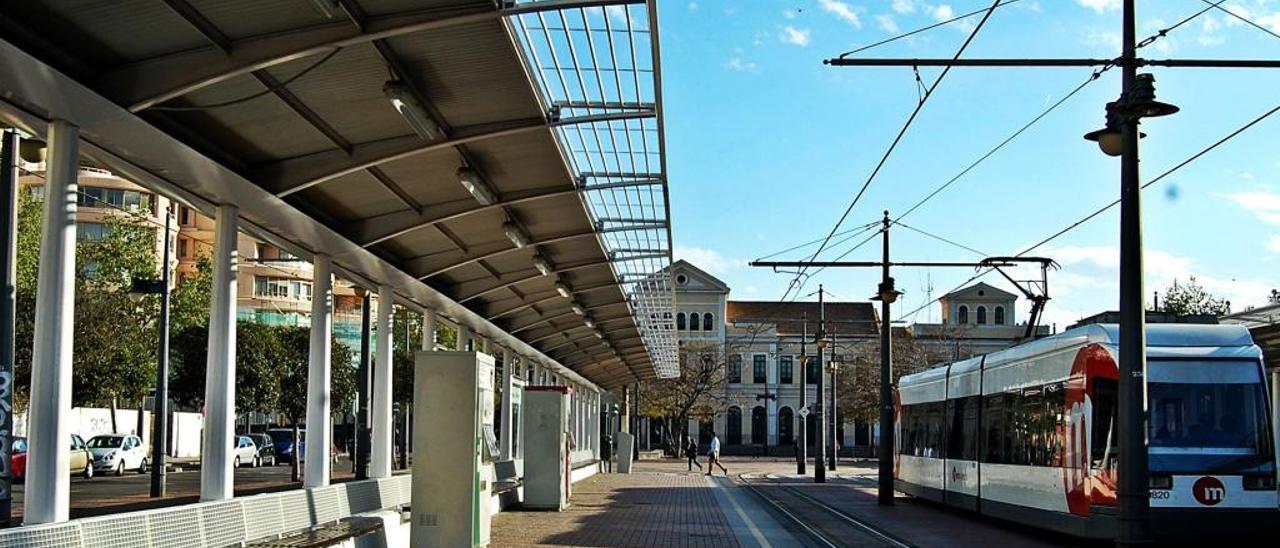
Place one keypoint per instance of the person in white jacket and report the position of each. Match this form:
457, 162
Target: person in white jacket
713, 455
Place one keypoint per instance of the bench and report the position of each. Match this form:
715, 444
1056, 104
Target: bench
324, 535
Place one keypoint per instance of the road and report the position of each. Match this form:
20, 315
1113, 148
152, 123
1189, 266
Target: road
130, 492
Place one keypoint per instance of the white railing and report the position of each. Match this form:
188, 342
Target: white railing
219, 523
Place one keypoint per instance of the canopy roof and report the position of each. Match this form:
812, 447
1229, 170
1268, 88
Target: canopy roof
347, 127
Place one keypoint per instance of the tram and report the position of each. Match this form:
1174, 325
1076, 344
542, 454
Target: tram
1029, 434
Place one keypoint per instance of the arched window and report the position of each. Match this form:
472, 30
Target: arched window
734, 427
693, 322
759, 426
962, 315
786, 427
999, 315
707, 324
982, 315
680, 321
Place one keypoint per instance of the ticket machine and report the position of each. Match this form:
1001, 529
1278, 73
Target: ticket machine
454, 449
547, 449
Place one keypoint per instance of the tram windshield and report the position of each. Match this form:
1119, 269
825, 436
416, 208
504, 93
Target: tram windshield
1208, 409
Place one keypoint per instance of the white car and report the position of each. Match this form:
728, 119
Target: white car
243, 451
117, 453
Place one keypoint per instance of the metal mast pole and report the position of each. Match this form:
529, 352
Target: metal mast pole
160, 409
8, 310
819, 468
886, 378
1133, 482
364, 373
835, 430
803, 446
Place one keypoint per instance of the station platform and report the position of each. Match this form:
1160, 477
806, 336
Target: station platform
760, 503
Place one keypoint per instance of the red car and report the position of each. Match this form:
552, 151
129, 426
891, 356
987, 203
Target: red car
81, 462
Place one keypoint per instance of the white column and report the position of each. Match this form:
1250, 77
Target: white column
319, 431
48, 488
508, 372
429, 330
216, 474
380, 448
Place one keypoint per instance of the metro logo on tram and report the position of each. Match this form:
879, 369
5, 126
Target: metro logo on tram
1209, 491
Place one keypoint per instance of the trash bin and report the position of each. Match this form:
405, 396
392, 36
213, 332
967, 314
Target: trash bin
626, 443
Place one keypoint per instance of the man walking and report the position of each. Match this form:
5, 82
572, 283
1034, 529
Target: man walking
713, 456
691, 451
606, 453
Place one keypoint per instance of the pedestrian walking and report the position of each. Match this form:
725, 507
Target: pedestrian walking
713, 456
691, 451
606, 453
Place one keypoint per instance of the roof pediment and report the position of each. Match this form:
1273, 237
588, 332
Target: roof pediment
980, 291
688, 277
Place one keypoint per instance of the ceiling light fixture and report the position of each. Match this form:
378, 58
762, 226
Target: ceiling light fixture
577, 309
474, 184
563, 290
542, 265
412, 110
590, 324
514, 233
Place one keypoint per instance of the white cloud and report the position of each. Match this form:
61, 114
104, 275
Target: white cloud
788, 14
693, 6
618, 13
842, 10
792, 35
1107, 40
707, 259
941, 12
1263, 205
1100, 5
904, 6
737, 64
1274, 243
887, 23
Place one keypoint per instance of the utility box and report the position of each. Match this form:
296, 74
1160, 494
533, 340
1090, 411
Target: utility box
546, 448
454, 449
626, 451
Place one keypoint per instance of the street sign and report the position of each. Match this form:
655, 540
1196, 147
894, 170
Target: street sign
804, 411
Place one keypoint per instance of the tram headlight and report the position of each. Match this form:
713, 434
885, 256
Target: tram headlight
1259, 482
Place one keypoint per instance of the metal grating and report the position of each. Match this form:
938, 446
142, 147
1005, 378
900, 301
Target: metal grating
57, 535
115, 531
324, 504
388, 492
223, 523
604, 60
296, 511
261, 517
176, 528
363, 497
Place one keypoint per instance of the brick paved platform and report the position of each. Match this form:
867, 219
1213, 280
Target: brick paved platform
647, 508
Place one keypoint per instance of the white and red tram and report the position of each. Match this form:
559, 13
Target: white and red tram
1028, 434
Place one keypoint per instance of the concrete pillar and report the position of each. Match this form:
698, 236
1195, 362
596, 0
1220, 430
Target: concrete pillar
216, 474
429, 330
380, 447
319, 420
48, 488
509, 366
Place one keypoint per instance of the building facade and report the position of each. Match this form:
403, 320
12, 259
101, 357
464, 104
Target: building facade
977, 319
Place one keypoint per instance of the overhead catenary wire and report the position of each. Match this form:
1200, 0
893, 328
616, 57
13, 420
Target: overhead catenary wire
902, 132
909, 34
1101, 210
1242, 18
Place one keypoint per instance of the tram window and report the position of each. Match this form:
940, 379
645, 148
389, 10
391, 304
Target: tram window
993, 428
962, 429
1103, 437
922, 429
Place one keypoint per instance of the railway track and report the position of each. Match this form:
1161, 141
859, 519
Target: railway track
825, 525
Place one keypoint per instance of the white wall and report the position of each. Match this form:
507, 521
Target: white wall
88, 422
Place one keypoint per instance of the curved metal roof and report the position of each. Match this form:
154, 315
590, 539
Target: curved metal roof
348, 127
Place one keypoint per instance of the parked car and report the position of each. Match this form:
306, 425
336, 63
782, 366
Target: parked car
80, 459
282, 438
243, 451
81, 462
266, 449
117, 453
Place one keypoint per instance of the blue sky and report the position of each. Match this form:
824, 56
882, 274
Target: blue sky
767, 146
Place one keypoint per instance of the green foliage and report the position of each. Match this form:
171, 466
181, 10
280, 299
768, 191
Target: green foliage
296, 345
1192, 298
189, 301
259, 366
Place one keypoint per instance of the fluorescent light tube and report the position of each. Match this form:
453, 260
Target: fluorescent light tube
412, 110
515, 234
563, 290
542, 265
476, 186
577, 309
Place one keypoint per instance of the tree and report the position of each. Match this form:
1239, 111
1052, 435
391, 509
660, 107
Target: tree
295, 343
698, 392
259, 366
858, 382
1191, 298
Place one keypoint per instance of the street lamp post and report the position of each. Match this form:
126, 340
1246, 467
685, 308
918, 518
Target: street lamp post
833, 366
160, 409
360, 460
821, 341
886, 294
802, 448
